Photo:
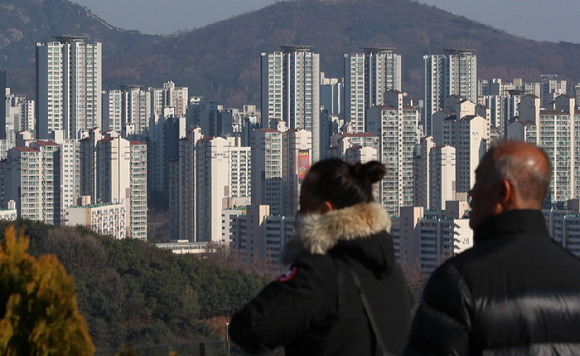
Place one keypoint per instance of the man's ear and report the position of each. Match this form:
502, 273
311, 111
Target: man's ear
506, 192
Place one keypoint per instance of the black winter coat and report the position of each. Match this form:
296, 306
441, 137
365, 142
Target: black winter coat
315, 309
516, 292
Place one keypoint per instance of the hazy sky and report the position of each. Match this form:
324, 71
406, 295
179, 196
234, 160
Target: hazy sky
543, 20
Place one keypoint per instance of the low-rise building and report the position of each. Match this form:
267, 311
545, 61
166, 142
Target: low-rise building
105, 219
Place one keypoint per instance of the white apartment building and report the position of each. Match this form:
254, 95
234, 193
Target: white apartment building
332, 94
564, 225
495, 105
557, 138
452, 73
361, 154
442, 171
212, 173
245, 121
113, 110
346, 141
261, 237
69, 171
68, 86
113, 169
511, 105
104, 219
32, 181
10, 213
267, 166
280, 161
428, 238
138, 191
183, 247
297, 145
367, 76
434, 175
470, 142
551, 88
121, 176
466, 131
176, 97
212, 182
240, 172
228, 215
49, 178
22, 183
397, 127
555, 131
291, 90
137, 110
20, 114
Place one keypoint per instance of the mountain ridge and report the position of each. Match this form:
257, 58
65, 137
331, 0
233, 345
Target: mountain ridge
25, 22
221, 61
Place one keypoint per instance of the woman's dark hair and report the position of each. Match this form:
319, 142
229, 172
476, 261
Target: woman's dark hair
341, 183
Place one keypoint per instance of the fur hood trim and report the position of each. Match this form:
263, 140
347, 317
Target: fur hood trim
319, 233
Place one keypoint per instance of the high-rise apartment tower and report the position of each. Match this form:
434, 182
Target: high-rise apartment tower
291, 90
367, 77
452, 73
68, 86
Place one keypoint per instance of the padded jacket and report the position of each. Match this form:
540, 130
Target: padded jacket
315, 308
516, 292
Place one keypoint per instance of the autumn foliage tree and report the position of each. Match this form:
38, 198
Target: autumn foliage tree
38, 305
134, 294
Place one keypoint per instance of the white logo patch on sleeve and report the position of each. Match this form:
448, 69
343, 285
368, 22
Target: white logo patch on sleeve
288, 275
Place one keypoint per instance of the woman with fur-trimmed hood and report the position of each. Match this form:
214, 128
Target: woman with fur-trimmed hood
344, 293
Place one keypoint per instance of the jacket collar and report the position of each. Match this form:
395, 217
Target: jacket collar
319, 233
512, 222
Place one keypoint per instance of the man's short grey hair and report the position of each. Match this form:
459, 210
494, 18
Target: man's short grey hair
527, 177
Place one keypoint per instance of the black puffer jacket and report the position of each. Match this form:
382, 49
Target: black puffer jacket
315, 309
516, 292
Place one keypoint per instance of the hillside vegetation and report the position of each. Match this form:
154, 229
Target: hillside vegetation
221, 61
132, 293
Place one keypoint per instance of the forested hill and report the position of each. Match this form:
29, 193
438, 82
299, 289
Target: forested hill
221, 61
132, 293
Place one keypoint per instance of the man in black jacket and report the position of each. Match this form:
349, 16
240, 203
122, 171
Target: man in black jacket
516, 291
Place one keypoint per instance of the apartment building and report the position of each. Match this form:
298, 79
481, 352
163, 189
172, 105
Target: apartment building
291, 90
452, 73
68, 86
367, 77
397, 128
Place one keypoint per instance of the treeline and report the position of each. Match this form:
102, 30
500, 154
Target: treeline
132, 293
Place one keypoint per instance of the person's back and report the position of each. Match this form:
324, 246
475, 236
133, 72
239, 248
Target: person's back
339, 325
516, 291
317, 308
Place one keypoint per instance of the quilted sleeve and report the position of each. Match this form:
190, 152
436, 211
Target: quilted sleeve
285, 309
442, 323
